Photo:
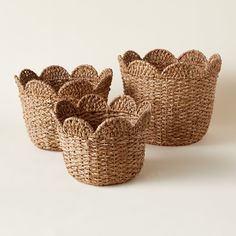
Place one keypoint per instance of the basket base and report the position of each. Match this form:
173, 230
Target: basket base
107, 183
46, 148
173, 143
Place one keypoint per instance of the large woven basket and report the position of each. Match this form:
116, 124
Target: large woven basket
102, 145
181, 91
39, 94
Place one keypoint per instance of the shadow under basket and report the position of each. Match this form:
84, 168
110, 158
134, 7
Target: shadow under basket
39, 94
181, 92
102, 145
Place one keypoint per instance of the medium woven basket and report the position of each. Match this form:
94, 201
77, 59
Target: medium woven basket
102, 145
39, 94
181, 92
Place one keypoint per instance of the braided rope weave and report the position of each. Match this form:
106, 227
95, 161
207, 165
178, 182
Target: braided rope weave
181, 92
102, 145
39, 94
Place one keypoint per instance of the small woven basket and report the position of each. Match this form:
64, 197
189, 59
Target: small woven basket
39, 94
102, 145
181, 92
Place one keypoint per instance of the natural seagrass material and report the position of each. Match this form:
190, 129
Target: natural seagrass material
39, 94
181, 91
102, 145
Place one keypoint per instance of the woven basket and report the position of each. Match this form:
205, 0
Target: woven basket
39, 94
181, 92
102, 145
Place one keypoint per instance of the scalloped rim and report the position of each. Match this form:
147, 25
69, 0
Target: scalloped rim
145, 108
104, 78
39, 88
83, 71
74, 126
127, 66
54, 68
81, 85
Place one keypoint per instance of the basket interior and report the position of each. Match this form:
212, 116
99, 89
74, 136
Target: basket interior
95, 118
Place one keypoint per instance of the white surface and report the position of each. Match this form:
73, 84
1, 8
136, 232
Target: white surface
187, 190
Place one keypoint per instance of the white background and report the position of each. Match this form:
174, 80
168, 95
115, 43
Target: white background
187, 190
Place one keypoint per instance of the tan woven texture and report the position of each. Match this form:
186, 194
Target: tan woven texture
181, 91
39, 94
102, 145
